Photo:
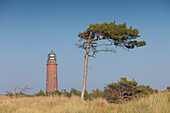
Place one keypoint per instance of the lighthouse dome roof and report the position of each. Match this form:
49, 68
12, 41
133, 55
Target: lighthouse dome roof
51, 53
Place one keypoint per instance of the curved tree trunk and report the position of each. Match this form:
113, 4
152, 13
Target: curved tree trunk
86, 66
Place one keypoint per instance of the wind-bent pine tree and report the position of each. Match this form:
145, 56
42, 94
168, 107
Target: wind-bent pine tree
101, 37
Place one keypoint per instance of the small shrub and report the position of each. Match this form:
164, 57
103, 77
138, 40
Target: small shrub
65, 93
125, 90
40, 93
75, 92
8, 93
87, 96
56, 92
168, 88
96, 93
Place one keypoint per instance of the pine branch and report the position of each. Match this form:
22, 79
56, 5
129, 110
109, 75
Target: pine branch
104, 50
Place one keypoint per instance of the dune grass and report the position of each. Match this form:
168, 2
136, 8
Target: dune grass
156, 103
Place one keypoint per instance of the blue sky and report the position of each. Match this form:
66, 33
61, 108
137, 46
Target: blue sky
30, 29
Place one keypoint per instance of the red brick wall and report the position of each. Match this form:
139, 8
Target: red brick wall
52, 82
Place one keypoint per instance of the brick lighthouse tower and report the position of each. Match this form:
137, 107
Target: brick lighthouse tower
52, 82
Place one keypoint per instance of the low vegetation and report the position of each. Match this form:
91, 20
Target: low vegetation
124, 96
155, 103
119, 92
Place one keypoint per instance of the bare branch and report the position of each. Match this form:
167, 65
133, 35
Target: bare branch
104, 50
14, 89
18, 91
101, 45
83, 46
24, 88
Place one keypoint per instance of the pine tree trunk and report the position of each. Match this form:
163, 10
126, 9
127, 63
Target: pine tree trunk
86, 67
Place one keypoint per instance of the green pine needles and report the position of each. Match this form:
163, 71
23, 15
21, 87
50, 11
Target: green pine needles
119, 34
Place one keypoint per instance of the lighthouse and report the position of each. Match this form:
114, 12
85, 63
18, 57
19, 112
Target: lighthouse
52, 81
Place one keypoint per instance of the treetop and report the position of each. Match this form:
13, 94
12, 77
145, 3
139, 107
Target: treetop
119, 34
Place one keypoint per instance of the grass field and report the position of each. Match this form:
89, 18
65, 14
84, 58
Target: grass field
156, 103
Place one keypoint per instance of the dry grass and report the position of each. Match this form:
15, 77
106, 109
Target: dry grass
156, 103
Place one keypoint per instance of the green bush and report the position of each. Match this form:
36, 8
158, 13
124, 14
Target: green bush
40, 93
87, 96
97, 93
65, 93
75, 92
168, 88
25, 95
56, 92
123, 90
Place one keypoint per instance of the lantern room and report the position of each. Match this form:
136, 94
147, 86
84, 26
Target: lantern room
51, 55
51, 58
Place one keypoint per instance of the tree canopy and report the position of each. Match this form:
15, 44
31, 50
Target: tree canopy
120, 35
